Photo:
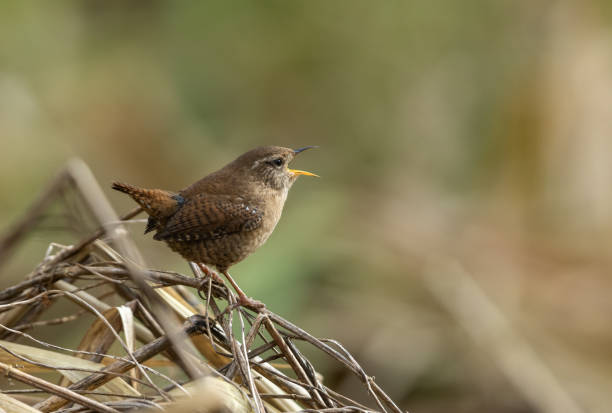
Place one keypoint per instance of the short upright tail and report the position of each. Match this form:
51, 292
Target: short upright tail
159, 204
126, 188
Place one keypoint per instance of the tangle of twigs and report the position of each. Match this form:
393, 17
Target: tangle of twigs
170, 341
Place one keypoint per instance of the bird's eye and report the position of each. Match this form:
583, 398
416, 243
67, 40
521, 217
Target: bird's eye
277, 162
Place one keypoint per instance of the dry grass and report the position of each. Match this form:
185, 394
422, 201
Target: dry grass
154, 343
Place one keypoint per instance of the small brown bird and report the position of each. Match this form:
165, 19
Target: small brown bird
225, 216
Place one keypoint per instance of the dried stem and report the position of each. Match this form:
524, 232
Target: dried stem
194, 326
62, 392
96, 274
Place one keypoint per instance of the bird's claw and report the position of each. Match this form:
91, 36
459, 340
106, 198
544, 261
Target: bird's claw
204, 283
248, 302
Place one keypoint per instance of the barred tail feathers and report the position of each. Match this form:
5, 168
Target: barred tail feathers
157, 203
125, 188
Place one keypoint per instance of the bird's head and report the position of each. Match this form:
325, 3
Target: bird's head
270, 165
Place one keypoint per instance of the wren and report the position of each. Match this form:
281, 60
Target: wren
225, 216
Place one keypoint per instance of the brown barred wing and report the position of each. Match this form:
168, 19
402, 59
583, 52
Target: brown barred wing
209, 217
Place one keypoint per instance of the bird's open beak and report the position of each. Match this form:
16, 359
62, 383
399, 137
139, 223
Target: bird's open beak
298, 172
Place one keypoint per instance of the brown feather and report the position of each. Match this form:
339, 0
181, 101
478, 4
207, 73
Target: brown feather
208, 216
222, 218
157, 203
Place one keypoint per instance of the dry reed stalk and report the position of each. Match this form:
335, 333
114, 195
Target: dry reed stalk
105, 268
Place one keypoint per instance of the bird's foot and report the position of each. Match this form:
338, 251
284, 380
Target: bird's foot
203, 289
208, 276
248, 302
243, 299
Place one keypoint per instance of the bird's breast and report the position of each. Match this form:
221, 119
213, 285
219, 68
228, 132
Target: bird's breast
273, 209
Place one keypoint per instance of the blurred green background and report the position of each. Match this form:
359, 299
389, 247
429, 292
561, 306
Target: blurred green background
459, 142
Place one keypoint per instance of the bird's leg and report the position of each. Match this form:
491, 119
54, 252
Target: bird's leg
210, 273
243, 299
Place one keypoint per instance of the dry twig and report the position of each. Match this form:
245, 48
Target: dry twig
106, 268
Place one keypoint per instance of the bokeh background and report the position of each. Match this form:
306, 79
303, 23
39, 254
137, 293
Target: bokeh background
458, 240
